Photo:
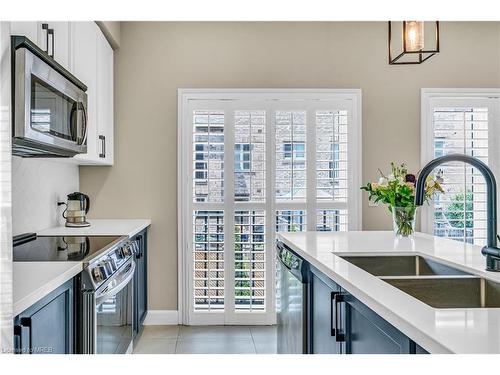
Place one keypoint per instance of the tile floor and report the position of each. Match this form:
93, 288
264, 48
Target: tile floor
206, 340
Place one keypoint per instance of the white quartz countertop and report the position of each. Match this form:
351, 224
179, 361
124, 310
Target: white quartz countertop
34, 280
457, 330
100, 227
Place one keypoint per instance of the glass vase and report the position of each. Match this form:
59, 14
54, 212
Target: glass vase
403, 220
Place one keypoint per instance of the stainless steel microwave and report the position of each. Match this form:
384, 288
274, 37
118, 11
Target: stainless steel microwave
49, 105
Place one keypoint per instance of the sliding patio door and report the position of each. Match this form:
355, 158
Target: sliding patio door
251, 165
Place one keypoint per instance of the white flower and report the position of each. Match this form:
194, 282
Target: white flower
401, 180
382, 181
390, 177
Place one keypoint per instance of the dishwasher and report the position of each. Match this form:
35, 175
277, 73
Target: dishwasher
291, 301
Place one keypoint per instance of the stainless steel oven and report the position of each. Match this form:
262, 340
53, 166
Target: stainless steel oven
105, 301
49, 105
114, 313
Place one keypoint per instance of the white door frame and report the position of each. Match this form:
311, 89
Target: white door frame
184, 193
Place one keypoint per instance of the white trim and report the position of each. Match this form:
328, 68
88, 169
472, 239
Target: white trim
185, 189
161, 318
427, 131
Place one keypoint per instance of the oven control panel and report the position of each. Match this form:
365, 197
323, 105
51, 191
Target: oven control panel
107, 264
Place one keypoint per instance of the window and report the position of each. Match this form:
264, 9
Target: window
258, 163
462, 121
290, 221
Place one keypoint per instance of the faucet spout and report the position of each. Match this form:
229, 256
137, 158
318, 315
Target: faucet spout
491, 251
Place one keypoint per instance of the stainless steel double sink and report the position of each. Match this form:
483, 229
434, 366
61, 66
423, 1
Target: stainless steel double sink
434, 283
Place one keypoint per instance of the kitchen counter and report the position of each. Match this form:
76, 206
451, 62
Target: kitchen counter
458, 330
100, 227
34, 280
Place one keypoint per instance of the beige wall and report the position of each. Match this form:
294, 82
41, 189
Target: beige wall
157, 58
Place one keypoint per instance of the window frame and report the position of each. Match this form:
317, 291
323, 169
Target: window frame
185, 195
428, 95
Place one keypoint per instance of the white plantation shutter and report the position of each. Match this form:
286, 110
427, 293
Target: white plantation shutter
208, 225
208, 262
460, 213
331, 156
465, 126
250, 261
291, 167
291, 221
250, 156
290, 155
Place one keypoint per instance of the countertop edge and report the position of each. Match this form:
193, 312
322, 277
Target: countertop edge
36, 295
101, 227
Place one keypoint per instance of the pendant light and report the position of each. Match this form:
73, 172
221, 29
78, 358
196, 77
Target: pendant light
412, 42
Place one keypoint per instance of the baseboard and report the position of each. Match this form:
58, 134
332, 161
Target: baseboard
161, 318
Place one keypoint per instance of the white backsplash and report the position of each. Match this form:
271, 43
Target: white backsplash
37, 186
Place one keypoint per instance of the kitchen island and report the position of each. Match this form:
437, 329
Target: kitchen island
435, 330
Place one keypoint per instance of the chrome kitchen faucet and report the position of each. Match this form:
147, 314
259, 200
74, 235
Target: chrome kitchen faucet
491, 251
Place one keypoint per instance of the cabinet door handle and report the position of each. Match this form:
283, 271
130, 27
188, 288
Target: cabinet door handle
18, 339
103, 146
139, 239
49, 34
25, 322
338, 298
45, 26
332, 314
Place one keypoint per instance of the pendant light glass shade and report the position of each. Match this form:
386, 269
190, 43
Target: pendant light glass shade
414, 36
412, 42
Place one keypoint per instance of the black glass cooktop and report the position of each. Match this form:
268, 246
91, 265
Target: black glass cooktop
59, 248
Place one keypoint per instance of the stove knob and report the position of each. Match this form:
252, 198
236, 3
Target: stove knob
136, 246
119, 253
112, 264
104, 270
107, 265
97, 274
127, 250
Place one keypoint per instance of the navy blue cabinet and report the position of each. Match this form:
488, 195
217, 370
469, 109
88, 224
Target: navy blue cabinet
417, 349
47, 327
367, 333
140, 281
323, 312
340, 324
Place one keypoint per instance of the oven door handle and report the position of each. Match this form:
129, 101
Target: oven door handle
101, 297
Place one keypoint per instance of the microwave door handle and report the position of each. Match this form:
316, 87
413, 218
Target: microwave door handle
84, 125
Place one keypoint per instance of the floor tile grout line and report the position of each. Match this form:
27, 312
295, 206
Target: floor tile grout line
230, 335
253, 341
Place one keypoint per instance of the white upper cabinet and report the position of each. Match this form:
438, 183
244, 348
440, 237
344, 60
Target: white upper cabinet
81, 48
84, 66
51, 37
28, 29
58, 41
104, 100
92, 62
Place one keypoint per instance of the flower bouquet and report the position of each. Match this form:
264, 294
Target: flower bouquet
397, 191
